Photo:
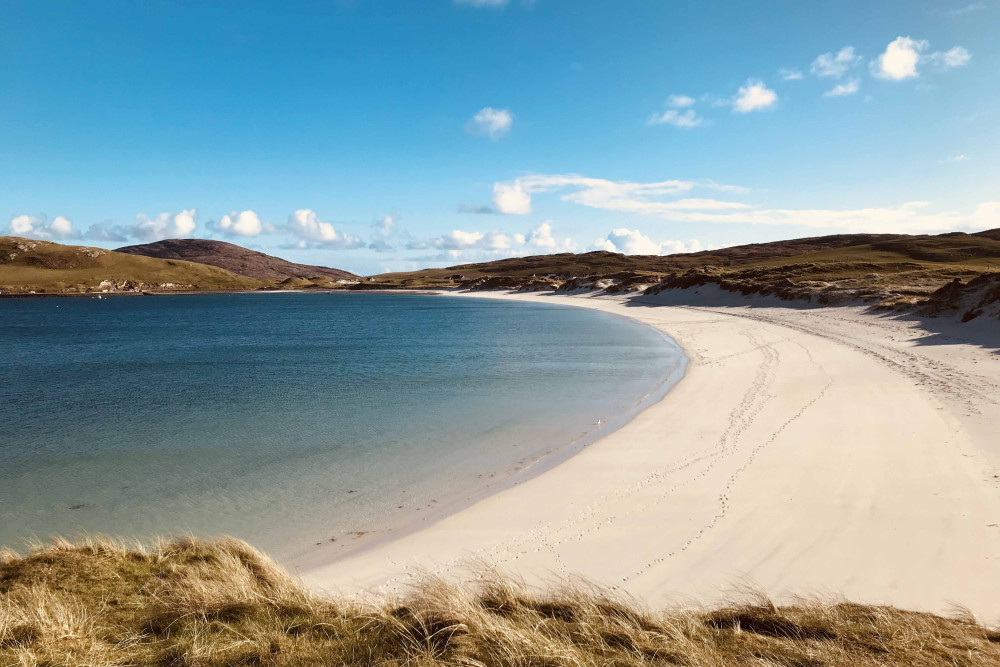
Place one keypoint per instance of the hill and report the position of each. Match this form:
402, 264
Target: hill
27, 265
888, 270
233, 258
190, 602
569, 265
954, 248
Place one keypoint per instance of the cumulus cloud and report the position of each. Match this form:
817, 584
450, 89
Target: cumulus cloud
511, 198
899, 60
313, 232
245, 223
687, 119
38, 227
680, 101
844, 89
680, 113
458, 243
790, 74
835, 65
490, 122
633, 242
903, 57
754, 96
163, 226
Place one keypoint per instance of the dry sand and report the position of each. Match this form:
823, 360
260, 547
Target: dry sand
806, 451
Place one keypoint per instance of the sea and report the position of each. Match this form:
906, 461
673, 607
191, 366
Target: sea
297, 421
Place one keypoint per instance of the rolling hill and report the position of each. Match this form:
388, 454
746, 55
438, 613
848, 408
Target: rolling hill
979, 249
886, 270
231, 257
27, 265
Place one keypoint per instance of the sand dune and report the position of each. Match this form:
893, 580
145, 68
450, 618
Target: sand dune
806, 451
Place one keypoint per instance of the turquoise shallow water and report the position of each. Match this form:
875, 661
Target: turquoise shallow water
293, 419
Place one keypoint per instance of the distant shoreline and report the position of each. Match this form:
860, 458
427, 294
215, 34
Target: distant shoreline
96, 295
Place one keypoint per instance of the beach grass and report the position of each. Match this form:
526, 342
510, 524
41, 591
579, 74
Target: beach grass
191, 602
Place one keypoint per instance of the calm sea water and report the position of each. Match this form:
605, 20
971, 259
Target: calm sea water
293, 420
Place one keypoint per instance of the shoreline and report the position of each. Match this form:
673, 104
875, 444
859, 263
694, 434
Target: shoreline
326, 554
784, 459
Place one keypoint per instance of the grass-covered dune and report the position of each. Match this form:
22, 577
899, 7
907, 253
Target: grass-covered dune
189, 602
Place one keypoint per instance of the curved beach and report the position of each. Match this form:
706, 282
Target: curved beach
821, 451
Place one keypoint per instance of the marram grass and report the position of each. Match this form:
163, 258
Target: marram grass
190, 602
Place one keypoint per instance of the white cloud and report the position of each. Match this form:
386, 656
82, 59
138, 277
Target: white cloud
62, 228
956, 56
458, 243
105, 231
685, 119
673, 247
835, 65
843, 89
490, 122
954, 158
680, 101
382, 229
754, 96
241, 224
904, 55
37, 227
514, 197
900, 59
604, 244
634, 242
908, 218
671, 200
541, 237
790, 74
511, 199
163, 226
305, 224
386, 225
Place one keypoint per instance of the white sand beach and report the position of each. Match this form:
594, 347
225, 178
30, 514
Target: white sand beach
806, 451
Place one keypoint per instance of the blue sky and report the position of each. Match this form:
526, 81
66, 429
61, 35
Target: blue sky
392, 134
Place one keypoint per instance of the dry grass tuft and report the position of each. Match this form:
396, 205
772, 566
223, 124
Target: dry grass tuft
190, 602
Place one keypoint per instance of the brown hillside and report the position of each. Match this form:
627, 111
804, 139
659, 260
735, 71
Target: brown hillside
27, 265
233, 258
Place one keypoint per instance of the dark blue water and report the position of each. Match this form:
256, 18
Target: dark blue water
291, 419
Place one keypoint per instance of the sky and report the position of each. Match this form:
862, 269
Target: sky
385, 135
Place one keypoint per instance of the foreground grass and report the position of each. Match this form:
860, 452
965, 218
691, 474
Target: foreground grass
189, 602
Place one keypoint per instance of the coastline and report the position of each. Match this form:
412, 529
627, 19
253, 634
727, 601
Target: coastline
446, 504
786, 459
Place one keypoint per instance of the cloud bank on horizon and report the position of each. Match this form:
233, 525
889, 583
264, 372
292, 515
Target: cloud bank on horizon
725, 158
